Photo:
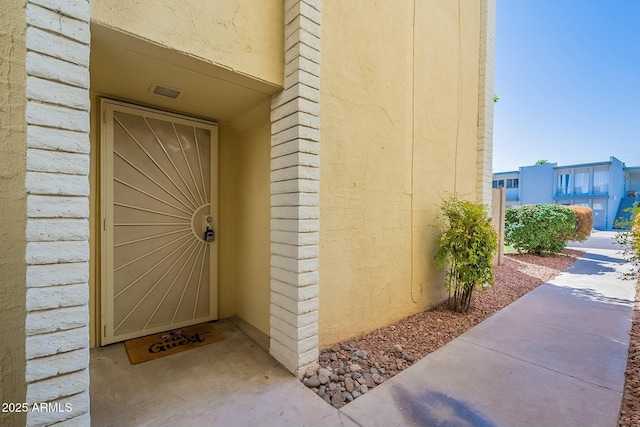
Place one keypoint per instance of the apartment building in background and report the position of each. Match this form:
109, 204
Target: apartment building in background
608, 187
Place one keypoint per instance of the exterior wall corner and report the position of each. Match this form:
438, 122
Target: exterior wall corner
295, 213
485, 100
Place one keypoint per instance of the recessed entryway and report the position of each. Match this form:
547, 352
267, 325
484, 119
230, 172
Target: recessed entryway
159, 219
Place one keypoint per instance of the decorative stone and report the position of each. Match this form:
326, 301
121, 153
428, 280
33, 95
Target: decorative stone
369, 382
348, 384
356, 394
335, 348
361, 354
409, 358
323, 375
377, 378
349, 396
311, 371
398, 348
363, 389
354, 367
334, 378
314, 381
338, 398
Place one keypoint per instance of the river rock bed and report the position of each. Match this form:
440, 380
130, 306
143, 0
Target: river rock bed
347, 372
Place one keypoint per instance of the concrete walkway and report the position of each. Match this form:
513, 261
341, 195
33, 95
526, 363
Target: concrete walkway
556, 357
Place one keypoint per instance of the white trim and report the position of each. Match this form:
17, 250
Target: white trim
295, 162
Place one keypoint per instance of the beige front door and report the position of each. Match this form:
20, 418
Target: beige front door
159, 198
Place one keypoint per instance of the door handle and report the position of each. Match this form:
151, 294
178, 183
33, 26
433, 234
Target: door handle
209, 234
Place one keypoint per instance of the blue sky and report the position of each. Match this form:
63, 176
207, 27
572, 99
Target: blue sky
568, 76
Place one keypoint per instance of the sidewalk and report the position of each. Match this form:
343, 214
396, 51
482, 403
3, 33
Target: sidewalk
555, 357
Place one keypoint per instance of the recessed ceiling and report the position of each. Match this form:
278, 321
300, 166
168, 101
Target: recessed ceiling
128, 68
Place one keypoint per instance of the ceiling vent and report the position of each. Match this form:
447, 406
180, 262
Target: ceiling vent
165, 91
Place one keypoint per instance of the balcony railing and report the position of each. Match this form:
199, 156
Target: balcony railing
598, 190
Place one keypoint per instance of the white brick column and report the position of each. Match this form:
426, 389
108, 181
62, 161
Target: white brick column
485, 100
295, 212
57, 185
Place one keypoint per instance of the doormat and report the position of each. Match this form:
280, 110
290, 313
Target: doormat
163, 344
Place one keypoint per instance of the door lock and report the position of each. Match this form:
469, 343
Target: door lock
209, 235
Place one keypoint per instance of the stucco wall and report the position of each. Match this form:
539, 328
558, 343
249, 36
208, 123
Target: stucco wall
399, 130
13, 207
537, 184
241, 35
252, 216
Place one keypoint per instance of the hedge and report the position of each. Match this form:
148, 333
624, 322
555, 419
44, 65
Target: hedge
584, 222
539, 229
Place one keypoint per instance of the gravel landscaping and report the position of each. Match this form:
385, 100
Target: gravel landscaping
353, 367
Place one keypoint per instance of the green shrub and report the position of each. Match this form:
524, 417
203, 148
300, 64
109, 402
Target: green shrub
539, 229
466, 247
630, 241
584, 222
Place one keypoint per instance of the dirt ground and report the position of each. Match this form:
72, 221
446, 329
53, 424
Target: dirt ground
394, 348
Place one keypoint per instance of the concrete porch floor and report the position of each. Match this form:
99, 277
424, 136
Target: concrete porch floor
233, 382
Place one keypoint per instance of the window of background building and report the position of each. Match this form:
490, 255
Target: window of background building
600, 181
563, 183
512, 183
498, 183
582, 183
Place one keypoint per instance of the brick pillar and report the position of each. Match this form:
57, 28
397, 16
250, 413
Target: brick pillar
57, 185
295, 212
485, 100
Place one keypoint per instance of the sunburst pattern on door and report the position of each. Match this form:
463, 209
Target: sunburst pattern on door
161, 205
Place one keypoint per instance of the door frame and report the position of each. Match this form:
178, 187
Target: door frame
107, 106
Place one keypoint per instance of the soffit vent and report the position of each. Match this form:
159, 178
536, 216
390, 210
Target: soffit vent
165, 91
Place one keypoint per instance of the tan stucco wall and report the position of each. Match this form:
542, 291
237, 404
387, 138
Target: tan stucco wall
252, 216
13, 208
398, 131
245, 36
